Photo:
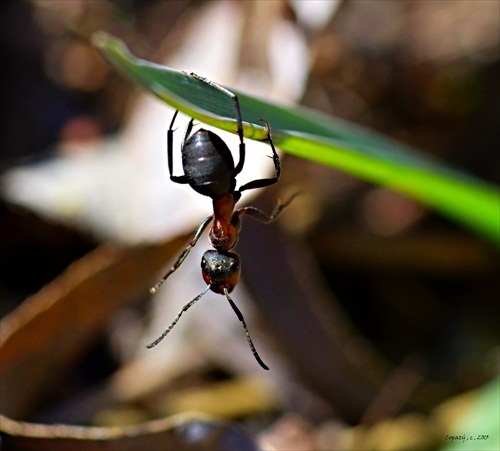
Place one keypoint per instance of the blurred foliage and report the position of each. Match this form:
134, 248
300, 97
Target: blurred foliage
321, 139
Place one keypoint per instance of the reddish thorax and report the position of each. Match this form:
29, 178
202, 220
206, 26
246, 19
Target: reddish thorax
226, 225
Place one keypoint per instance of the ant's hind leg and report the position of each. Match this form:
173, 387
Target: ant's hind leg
185, 253
237, 111
262, 183
170, 146
189, 129
263, 217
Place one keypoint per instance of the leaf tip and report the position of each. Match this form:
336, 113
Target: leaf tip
109, 44
101, 39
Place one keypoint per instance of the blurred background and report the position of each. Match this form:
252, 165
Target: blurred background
366, 306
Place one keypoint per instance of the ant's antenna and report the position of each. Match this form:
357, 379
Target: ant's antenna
247, 334
174, 322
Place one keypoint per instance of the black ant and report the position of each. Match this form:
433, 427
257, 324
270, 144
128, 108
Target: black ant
209, 169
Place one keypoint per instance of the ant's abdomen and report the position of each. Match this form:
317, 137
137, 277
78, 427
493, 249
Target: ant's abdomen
208, 164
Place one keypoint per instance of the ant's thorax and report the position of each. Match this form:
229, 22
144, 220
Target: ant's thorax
226, 224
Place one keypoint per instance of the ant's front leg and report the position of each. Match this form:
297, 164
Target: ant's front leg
261, 216
182, 257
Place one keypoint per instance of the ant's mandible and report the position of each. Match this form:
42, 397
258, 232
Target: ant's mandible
209, 169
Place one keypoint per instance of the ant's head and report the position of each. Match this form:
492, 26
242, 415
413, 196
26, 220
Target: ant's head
221, 270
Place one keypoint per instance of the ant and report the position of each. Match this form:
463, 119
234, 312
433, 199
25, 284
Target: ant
210, 170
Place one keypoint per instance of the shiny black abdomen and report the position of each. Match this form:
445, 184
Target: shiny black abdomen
208, 164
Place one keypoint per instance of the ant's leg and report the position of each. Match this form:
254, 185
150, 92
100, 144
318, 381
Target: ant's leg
261, 183
170, 145
261, 216
247, 334
183, 256
239, 120
188, 132
174, 322
241, 161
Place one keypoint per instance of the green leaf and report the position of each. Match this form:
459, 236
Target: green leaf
322, 139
